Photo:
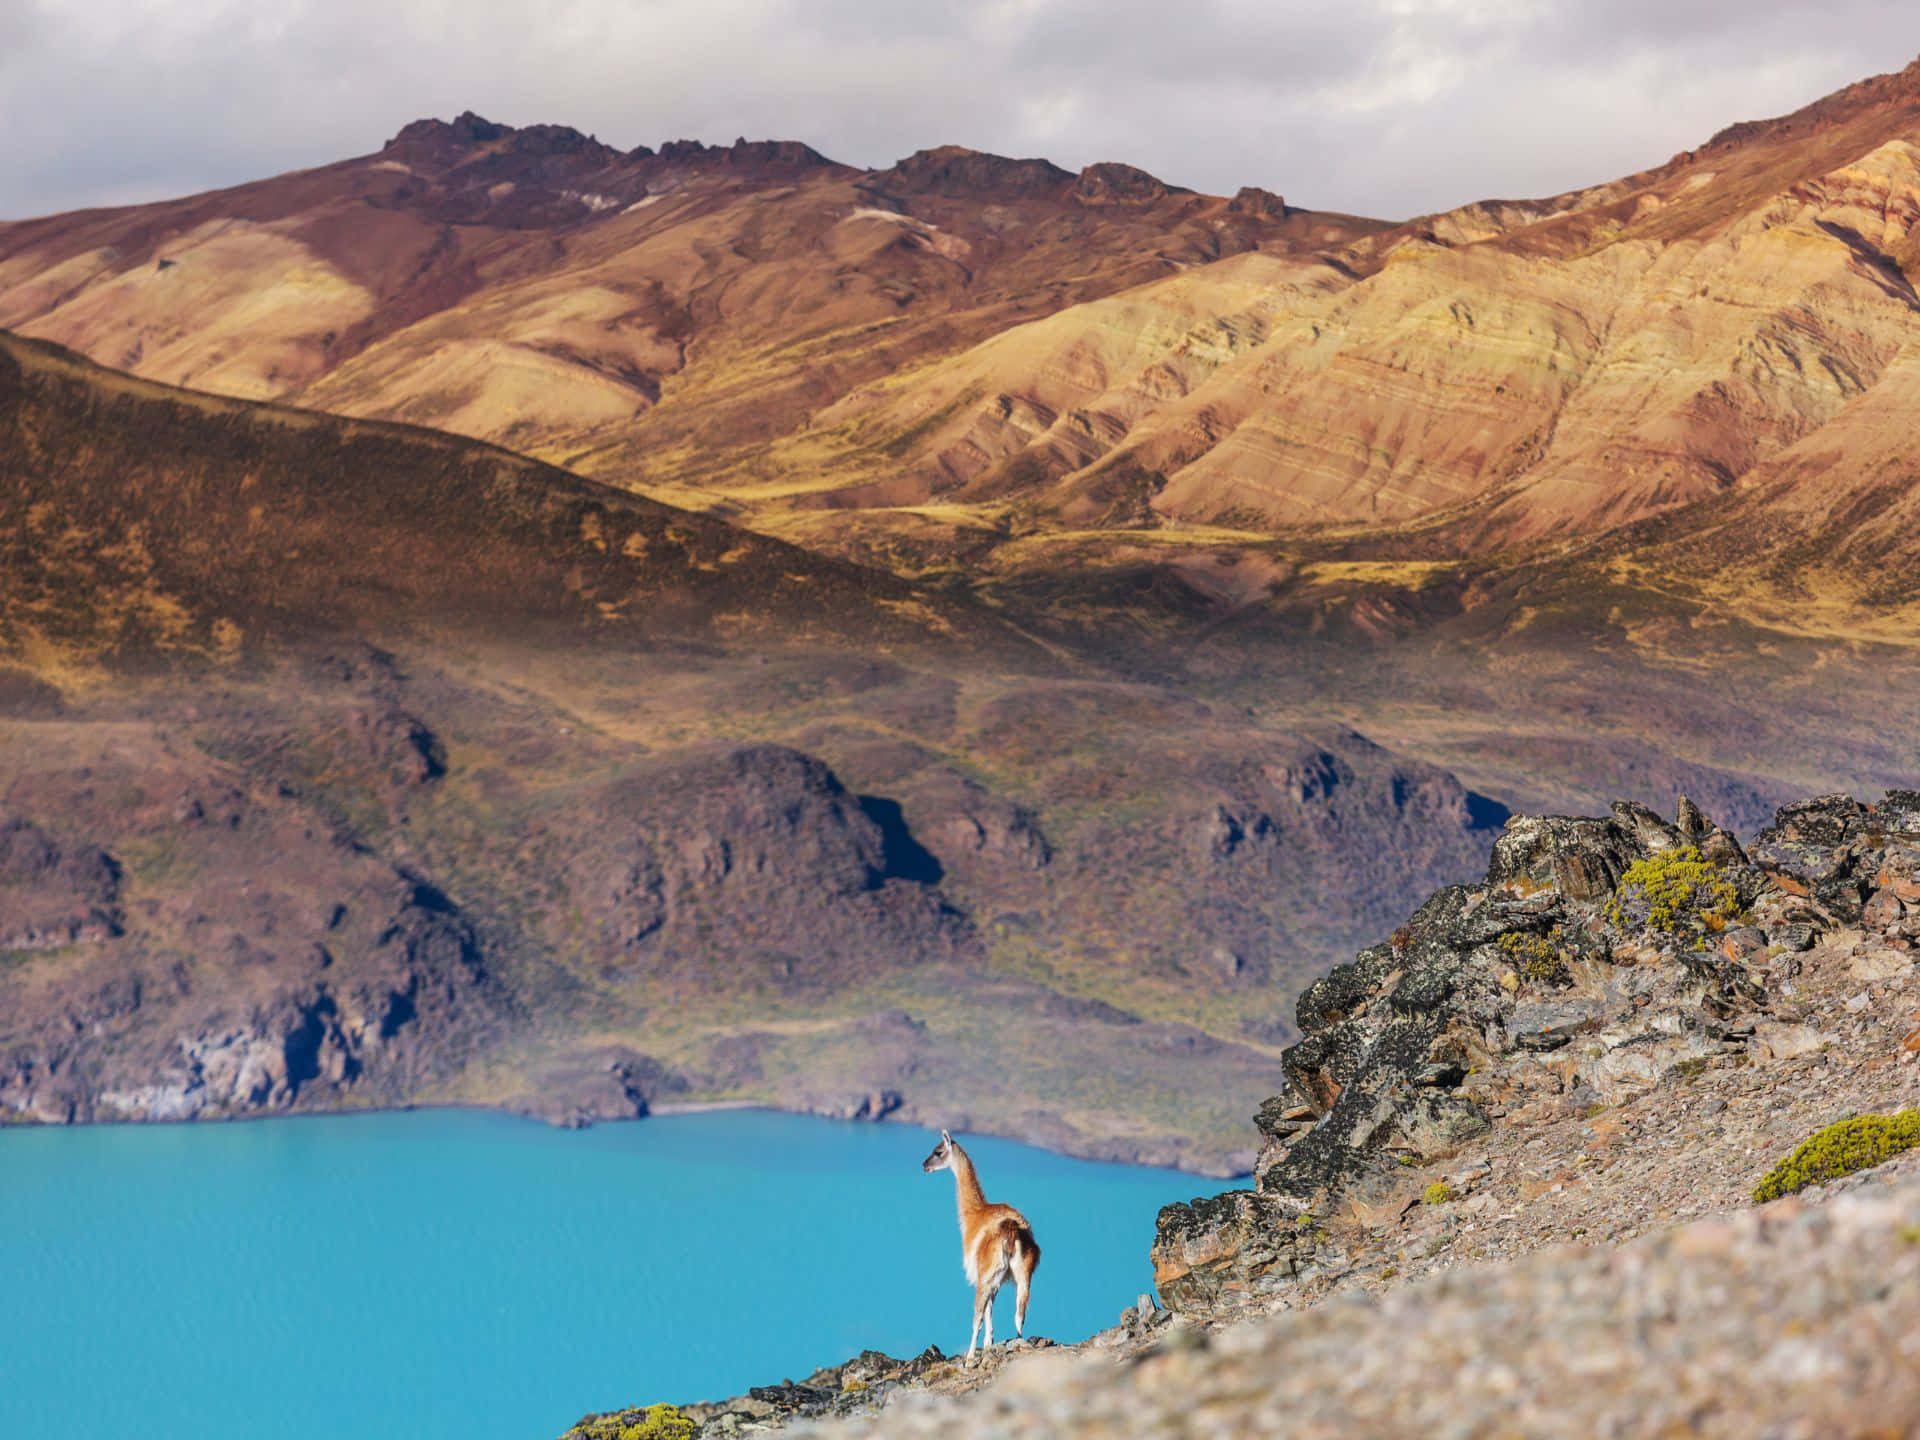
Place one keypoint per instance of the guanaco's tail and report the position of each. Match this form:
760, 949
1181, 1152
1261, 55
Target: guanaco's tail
1018, 1246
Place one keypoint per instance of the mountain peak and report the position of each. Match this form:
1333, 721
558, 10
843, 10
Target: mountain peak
1112, 183
445, 140
956, 170
465, 129
758, 157
1896, 87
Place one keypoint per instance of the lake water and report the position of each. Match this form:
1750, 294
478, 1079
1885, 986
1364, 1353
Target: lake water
462, 1274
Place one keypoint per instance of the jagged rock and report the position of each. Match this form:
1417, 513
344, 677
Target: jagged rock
1813, 849
1582, 859
1110, 183
1219, 1252
1713, 843
1260, 204
1527, 991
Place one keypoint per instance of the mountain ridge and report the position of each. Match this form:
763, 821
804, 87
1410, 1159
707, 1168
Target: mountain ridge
924, 364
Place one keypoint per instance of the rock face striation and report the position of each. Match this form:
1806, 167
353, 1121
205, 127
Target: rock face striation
1597, 958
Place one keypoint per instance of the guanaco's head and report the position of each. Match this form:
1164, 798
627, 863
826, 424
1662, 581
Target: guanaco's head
942, 1156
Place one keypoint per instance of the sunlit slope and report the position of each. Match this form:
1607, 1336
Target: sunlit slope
644, 315
1505, 374
928, 366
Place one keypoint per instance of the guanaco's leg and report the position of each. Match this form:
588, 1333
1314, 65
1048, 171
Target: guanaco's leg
1022, 1279
973, 1335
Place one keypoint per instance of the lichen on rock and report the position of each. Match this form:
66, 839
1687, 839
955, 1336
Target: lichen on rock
1597, 958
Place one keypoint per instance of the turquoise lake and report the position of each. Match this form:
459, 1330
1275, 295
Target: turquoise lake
461, 1274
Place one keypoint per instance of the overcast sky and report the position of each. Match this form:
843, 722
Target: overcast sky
1383, 107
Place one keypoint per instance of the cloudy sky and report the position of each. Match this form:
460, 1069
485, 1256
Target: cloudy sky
1383, 107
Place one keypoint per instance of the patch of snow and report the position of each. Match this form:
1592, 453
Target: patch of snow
867, 212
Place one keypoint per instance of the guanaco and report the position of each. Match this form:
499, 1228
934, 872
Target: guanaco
995, 1242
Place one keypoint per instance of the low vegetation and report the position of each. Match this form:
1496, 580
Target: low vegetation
1677, 894
1841, 1149
1534, 957
654, 1422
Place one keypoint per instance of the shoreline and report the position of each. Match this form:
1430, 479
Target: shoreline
671, 1110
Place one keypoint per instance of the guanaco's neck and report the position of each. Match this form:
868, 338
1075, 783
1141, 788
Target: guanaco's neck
966, 1185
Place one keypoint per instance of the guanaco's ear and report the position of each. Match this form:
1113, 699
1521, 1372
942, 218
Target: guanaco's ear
945, 1139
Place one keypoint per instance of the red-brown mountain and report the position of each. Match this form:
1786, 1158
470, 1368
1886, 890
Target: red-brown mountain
964, 347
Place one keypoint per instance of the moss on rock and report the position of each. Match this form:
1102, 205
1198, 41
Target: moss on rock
1840, 1149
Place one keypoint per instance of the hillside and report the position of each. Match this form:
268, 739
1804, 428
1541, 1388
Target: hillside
348, 764
1521, 1147
629, 312
145, 519
945, 363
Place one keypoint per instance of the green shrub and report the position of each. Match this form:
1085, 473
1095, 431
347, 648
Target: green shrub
1438, 1193
1840, 1149
1675, 893
655, 1422
1533, 957
663, 1422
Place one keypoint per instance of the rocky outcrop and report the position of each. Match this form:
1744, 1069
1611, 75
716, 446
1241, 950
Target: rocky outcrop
1705, 1314
402, 746
376, 1027
1793, 1320
54, 893
1260, 204
1568, 980
973, 174
1111, 183
756, 859
835, 1390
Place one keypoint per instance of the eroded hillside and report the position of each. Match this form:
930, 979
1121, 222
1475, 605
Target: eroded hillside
352, 764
